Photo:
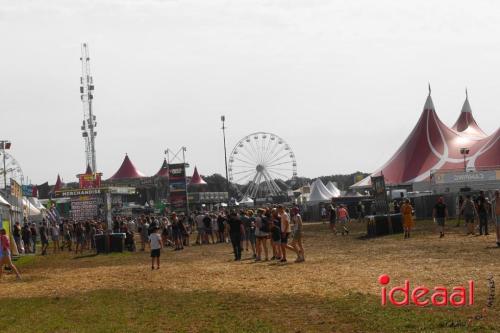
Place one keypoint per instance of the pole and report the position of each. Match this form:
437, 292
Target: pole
4, 171
223, 118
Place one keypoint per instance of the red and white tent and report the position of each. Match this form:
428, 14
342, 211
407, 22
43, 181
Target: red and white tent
433, 146
163, 172
127, 171
196, 179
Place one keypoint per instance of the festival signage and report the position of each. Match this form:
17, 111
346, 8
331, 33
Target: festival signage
28, 190
84, 208
449, 177
81, 192
177, 187
15, 189
380, 194
90, 180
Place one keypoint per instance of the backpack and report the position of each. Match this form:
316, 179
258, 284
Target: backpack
264, 224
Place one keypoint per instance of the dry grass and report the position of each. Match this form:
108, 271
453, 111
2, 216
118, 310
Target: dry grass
336, 267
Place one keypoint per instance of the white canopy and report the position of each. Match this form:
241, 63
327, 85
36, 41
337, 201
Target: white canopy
319, 192
4, 202
36, 203
246, 201
33, 211
333, 189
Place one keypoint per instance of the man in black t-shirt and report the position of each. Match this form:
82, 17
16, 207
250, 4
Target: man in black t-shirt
235, 226
482, 212
440, 214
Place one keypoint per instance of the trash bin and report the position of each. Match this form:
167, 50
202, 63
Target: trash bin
117, 242
102, 243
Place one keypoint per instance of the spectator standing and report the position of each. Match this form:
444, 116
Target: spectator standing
440, 214
235, 232
482, 211
469, 212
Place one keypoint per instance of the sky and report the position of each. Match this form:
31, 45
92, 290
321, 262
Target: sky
342, 82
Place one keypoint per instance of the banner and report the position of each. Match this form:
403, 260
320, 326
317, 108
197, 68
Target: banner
380, 195
15, 189
177, 187
84, 208
447, 177
90, 180
28, 190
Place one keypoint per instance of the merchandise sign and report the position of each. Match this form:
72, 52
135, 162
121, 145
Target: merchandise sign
177, 187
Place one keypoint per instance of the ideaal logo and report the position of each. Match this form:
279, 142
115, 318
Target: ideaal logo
422, 296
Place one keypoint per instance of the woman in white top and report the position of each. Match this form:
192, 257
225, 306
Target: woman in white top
261, 234
296, 244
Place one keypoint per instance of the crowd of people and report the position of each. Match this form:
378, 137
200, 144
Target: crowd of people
268, 233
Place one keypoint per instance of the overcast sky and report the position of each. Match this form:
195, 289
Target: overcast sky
343, 82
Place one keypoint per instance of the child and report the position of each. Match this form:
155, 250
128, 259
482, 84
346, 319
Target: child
156, 244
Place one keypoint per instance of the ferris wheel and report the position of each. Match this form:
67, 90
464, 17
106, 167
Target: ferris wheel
12, 169
259, 161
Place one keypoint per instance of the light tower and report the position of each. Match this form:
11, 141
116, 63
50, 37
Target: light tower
89, 121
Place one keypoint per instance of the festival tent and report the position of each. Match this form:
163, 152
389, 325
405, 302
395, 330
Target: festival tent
4, 202
466, 123
433, 146
197, 180
36, 203
127, 171
163, 172
59, 184
31, 209
333, 189
319, 193
246, 201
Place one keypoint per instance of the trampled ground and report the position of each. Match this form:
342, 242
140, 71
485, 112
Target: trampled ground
201, 289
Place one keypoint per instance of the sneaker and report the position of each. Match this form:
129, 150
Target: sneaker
283, 260
498, 244
273, 257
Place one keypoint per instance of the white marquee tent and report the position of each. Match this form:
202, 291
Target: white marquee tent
333, 189
319, 192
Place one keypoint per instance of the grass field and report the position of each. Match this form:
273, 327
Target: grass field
201, 289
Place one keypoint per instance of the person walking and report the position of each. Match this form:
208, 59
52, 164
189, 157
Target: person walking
156, 245
440, 214
296, 244
5, 258
495, 208
44, 237
460, 203
235, 232
407, 213
469, 212
54, 234
333, 217
482, 211
343, 217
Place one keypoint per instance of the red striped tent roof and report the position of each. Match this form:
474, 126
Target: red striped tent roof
127, 171
163, 172
196, 179
434, 146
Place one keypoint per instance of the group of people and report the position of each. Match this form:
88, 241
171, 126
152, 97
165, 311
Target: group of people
264, 232
66, 234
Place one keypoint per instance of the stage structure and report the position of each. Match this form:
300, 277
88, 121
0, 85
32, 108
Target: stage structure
89, 120
258, 162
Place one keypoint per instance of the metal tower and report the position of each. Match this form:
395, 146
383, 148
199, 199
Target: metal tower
89, 121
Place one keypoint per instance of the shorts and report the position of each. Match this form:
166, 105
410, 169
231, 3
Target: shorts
276, 236
55, 238
44, 241
469, 218
155, 253
333, 221
284, 237
440, 221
